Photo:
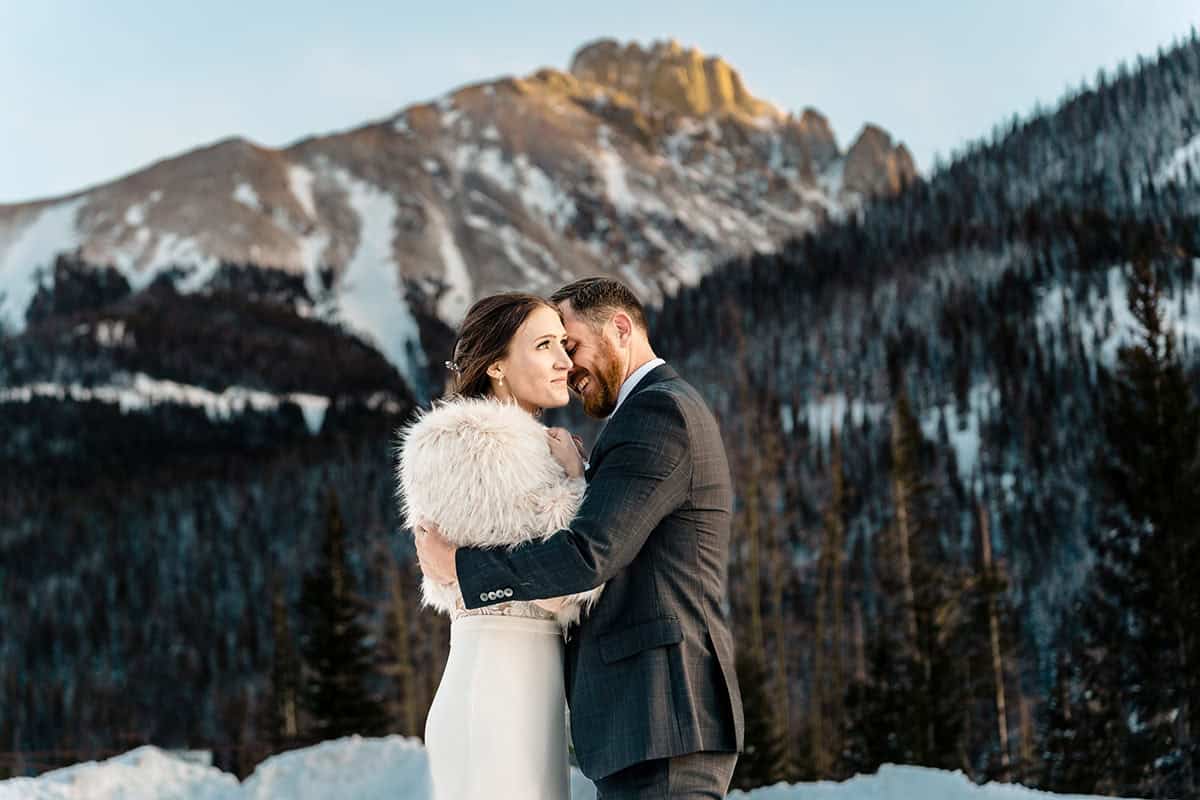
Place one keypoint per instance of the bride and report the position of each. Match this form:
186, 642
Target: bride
482, 467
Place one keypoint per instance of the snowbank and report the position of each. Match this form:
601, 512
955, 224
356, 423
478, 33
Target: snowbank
146, 773
363, 769
900, 783
394, 768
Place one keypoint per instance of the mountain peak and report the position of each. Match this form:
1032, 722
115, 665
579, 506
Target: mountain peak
670, 77
874, 165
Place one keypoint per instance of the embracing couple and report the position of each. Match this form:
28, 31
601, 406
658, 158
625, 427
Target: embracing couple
597, 582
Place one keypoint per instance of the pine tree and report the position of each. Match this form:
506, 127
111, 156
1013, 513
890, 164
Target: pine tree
910, 492
914, 662
828, 675
989, 590
335, 647
1148, 570
912, 529
879, 723
396, 661
283, 704
1076, 731
764, 761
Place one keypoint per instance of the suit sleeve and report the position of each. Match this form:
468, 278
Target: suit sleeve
643, 475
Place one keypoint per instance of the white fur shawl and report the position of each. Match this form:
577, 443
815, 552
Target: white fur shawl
482, 470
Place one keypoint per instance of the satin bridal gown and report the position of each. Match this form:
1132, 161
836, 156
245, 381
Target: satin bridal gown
497, 727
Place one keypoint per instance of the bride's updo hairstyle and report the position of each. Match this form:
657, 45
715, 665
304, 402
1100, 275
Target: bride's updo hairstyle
484, 338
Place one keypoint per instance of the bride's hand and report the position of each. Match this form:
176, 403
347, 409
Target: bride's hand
567, 450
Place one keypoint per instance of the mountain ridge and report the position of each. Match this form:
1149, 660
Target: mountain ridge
520, 182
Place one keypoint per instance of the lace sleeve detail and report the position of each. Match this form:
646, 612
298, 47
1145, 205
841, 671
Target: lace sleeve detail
513, 608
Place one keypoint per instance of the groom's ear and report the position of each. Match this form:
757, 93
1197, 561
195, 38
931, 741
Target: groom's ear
624, 325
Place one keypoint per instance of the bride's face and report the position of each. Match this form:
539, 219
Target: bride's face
536, 367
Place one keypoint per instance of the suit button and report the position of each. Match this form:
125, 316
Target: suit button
508, 592
483, 596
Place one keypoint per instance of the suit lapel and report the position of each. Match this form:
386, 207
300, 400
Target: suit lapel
662, 372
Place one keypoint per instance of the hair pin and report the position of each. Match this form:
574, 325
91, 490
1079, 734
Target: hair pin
454, 367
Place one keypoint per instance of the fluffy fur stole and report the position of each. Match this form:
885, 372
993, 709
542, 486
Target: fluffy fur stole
482, 470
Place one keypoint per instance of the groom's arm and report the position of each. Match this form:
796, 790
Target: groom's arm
644, 475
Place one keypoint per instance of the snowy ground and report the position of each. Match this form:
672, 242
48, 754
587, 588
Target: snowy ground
394, 768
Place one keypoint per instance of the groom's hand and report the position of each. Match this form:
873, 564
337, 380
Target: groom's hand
434, 553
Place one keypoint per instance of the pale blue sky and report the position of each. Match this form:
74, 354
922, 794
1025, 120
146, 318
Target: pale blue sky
95, 89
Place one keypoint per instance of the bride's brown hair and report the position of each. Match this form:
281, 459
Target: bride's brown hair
484, 338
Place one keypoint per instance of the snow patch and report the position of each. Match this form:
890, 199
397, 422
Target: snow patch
831, 180
801, 220
450, 114
775, 157
826, 414
515, 244
370, 299
300, 183
612, 170
313, 407
1177, 165
312, 248
112, 333
1108, 320
245, 194
535, 189
490, 163
135, 215
689, 267
141, 392
453, 305
963, 430
180, 251
29, 249
513, 241
541, 193
678, 143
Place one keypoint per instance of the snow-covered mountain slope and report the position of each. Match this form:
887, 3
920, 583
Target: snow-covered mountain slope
395, 768
652, 164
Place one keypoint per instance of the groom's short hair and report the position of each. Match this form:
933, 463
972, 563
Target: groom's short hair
595, 299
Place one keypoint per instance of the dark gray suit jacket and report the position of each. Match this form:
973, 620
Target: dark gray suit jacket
650, 670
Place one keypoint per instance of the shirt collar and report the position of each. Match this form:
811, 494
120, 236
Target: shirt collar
633, 380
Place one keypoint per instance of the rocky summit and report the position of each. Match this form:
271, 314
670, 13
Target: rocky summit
669, 77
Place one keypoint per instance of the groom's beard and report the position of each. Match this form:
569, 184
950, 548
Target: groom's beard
605, 385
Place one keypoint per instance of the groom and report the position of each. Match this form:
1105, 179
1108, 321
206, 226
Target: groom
655, 706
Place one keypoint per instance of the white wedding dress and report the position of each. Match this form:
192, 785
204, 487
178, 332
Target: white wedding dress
480, 469
497, 728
